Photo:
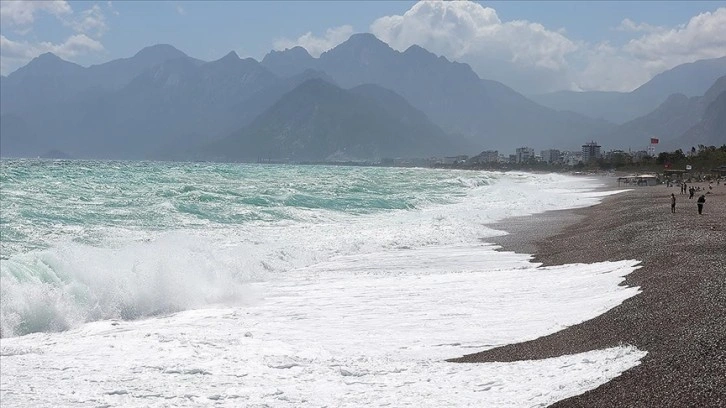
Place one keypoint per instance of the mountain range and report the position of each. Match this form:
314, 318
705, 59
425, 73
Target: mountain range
449, 93
691, 79
711, 129
319, 121
670, 120
361, 100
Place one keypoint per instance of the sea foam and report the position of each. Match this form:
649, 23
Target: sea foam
141, 243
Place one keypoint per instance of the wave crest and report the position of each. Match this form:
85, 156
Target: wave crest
59, 288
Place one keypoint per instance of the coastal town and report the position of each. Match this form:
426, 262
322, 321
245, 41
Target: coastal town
700, 163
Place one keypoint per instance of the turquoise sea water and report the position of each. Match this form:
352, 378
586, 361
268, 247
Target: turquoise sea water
43, 201
89, 240
188, 284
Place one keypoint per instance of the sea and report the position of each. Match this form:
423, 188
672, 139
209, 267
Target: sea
157, 284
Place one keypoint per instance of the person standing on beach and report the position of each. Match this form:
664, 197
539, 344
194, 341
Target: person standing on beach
673, 203
701, 200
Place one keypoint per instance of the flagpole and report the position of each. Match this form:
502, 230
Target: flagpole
651, 149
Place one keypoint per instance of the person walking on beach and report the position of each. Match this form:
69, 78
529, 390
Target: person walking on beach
673, 203
701, 200
692, 191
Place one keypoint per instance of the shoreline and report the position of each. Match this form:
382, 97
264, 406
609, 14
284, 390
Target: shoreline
679, 317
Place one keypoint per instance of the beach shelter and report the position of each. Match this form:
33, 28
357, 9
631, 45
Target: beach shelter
639, 180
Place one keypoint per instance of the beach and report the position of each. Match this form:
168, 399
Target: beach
185, 283
679, 318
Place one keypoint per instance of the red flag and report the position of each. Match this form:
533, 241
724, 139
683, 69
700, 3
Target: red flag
653, 140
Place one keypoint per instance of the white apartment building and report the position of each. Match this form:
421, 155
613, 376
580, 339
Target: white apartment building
524, 154
590, 151
551, 155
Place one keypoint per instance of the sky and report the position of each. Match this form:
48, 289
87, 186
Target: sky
531, 46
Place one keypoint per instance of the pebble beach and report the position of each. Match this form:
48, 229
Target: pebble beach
679, 318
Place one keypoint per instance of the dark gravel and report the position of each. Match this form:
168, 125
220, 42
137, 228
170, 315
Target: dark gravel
680, 316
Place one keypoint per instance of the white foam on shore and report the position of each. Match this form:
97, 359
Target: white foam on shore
378, 337
325, 309
134, 273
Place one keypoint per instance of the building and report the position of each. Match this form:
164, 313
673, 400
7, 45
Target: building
485, 157
551, 156
489, 156
616, 154
524, 154
449, 160
571, 158
639, 180
590, 151
719, 171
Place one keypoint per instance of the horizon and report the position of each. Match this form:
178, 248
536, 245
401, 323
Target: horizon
602, 46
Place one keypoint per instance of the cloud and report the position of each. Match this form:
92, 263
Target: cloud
607, 68
657, 50
533, 58
180, 10
88, 25
22, 13
317, 45
629, 25
91, 21
109, 6
16, 53
469, 32
703, 37
73, 46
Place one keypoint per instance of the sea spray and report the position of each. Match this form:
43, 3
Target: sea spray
60, 287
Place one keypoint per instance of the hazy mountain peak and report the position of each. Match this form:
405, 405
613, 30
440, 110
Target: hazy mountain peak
320, 121
294, 52
47, 56
711, 130
418, 50
691, 79
162, 51
289, 62
419, 55
47, 64
715, 90
231, 59
358, 43
232, 56
364, 38
676, 98
232, 64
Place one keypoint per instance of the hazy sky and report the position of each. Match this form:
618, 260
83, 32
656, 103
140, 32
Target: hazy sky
531, 46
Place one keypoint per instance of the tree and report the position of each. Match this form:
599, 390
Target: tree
678, 156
